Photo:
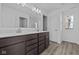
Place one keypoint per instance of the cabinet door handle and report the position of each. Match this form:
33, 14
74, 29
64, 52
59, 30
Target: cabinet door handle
3, 51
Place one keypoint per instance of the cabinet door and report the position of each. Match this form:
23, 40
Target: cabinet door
47, 39
17, 49
33, 52
41, 48
47, 42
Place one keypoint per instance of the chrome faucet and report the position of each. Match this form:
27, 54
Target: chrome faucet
18, 30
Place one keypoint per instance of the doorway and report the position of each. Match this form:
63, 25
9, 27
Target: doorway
44, 23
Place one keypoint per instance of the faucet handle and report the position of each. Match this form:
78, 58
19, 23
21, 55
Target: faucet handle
18, 30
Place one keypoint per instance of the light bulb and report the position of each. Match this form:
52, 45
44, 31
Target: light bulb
33, 9
18, 3
23, 4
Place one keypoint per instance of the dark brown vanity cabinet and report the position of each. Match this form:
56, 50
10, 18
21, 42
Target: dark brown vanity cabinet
31, 44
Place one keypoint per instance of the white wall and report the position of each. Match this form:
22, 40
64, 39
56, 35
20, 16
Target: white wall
10, 18
71, 35
0, 15
54, 22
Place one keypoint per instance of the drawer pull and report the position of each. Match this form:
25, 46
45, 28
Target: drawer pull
3, 51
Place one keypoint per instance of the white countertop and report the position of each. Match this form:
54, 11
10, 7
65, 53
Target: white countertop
3, 35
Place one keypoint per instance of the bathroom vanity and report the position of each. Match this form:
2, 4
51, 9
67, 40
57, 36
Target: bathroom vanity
26, 44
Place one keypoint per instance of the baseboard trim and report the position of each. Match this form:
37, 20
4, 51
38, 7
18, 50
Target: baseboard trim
54, 42
71, 42
63, 41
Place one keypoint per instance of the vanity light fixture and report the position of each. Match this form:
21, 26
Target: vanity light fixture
38, 11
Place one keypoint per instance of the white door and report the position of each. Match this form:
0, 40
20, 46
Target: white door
54, 28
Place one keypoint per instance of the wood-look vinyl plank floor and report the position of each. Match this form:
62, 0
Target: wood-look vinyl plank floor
65, 48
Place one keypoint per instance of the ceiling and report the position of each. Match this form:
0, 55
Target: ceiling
46, 8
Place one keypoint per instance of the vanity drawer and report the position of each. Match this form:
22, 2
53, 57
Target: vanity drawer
11, 40
29, 48
41, 42
30, 42
41, 34
17, 49
47, 43
32, 52
47, 33
31, 36
41, 48
41, 38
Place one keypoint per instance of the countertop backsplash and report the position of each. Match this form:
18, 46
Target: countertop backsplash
14, 30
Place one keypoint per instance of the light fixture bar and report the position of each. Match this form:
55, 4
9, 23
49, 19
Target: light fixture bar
38, 11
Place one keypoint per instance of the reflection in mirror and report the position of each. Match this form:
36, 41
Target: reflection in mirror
69, 22
23, 22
